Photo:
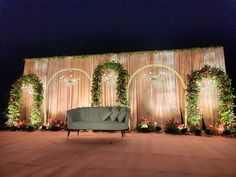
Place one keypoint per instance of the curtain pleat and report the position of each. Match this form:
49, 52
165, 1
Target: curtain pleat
158, 100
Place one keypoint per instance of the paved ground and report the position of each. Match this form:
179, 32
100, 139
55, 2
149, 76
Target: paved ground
50, 154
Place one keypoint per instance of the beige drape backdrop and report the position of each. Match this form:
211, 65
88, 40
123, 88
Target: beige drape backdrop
160, 100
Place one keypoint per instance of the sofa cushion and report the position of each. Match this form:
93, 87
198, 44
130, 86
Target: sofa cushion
88, 114
104, 114
121, 115
115, 113
98, 125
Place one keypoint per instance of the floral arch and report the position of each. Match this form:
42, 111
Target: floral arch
225, 94
15, 101
121, 83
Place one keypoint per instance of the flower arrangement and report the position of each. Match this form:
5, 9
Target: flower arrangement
173, 126
15, 101
121, 83
55, 124
225, 94
23, 125
220, 129
145, 125
209, 129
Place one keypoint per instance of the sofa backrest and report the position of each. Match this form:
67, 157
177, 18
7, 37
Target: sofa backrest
98, 114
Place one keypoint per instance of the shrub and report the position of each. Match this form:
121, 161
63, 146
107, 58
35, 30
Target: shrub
198, 132
226, 132
24, 126
158, 129
145, 125
209, 131
172, 127
184, 131
56, 124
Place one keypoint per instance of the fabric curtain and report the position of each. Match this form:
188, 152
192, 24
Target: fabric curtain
159, 99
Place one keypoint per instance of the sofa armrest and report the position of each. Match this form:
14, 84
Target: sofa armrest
69, 118
127, 116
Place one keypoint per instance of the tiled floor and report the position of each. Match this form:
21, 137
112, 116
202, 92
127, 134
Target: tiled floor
49, 154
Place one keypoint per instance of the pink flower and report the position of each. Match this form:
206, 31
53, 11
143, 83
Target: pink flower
221, 128
181, 126
21, 123
209, 126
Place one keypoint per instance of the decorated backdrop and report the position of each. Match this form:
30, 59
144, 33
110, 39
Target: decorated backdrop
154, 92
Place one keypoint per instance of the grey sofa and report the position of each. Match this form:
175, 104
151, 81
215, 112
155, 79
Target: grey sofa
98, 118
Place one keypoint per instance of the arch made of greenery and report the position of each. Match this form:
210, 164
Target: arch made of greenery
15, 101
49, 82
225, 94
121, 83
170, 69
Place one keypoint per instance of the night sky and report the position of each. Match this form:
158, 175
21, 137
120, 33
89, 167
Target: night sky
37, 28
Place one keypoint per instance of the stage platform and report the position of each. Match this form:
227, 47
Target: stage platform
104, 154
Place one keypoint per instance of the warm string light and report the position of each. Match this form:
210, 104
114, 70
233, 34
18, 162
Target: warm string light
28, 88
115, 60
155, 78
206, 84
109, 79
70, 80
209, 55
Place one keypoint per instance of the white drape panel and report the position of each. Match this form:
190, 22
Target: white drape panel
159, 101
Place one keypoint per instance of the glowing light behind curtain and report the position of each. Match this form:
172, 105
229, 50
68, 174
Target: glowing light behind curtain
208, 99
160, 102
108, 89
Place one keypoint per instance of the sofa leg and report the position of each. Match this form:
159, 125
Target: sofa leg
68, 134
78, 133
122, 133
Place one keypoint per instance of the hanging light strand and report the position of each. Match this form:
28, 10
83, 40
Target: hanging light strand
69, 80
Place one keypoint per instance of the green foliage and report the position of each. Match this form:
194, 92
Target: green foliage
121, 83
122, 53
209, 131
225, 94
15, 101
145, 127
198, 132
172, 127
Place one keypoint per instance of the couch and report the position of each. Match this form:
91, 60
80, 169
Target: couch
98, 118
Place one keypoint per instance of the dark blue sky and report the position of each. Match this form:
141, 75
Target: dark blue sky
37, 28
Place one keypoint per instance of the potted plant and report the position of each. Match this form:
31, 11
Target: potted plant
145, 125
198, 131
209, 130
173, 127
55, 124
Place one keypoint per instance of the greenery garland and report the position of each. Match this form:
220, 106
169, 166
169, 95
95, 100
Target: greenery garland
225, 94
83, 56
121, 83
15, 102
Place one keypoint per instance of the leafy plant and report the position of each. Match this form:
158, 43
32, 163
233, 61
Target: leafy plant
145, 125
209, 131
225, 94
184, 131
173, 127
24, 126
15, 101
55, 124
121, 83
197, 132
158, 129
226, 132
